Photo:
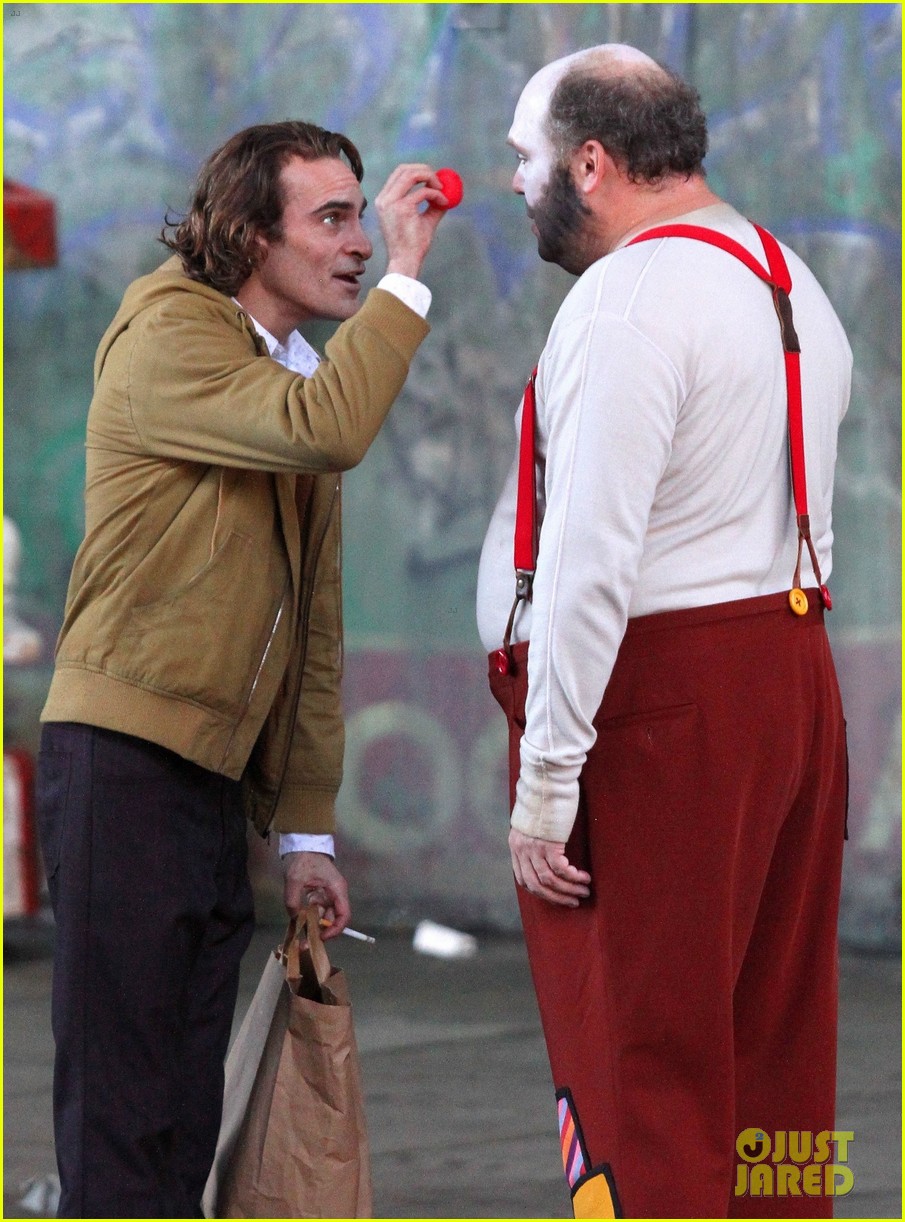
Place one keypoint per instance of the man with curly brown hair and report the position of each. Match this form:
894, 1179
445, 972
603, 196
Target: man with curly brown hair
197, 671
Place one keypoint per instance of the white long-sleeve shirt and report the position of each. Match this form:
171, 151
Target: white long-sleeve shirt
662, 472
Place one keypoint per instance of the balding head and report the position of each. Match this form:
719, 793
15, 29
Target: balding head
646, 117
607, 59
596, 133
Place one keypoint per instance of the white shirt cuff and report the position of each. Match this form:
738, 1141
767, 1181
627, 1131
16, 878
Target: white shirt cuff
305, 842
413, 293
546, 798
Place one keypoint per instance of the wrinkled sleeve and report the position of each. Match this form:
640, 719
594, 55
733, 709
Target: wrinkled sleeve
197, 391
611, 400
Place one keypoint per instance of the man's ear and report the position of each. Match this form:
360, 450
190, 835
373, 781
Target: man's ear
590, 164
261, 248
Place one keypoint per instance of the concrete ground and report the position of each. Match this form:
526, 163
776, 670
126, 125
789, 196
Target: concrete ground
458, 1093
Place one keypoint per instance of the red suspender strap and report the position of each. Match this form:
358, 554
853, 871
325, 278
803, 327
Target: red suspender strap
526, 503
525, 521
779, 280
777, 276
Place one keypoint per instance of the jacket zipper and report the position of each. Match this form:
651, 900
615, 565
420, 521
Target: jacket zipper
273, 632
246, 704
246, 322
303, 619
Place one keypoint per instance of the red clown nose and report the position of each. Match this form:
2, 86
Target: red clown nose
451, 186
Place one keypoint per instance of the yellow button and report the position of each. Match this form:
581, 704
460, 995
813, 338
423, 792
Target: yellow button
798, 601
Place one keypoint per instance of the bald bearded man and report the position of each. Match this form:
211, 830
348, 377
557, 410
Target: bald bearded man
677, 748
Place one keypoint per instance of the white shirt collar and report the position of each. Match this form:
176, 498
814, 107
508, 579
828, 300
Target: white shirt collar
296, 354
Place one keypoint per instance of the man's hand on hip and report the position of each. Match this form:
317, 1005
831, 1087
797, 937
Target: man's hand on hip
541, 867
312, 878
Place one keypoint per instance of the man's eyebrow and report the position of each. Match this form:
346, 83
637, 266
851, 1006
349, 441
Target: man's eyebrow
339, 205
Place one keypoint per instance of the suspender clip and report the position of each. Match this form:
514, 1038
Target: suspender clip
524, 580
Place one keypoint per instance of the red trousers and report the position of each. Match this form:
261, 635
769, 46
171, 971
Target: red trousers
694, 995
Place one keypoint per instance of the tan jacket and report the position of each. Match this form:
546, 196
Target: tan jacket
204, 609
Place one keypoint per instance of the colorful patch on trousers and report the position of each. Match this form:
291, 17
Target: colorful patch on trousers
593, 1189
574, 1159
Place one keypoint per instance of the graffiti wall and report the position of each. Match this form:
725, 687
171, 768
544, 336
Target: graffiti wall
111, 108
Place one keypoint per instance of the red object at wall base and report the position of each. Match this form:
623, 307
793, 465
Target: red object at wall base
21, 868
29, 227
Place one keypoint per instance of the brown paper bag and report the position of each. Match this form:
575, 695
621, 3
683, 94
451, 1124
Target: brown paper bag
302, 1149
242, 1070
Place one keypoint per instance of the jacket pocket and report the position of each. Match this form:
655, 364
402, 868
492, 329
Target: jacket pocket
199, 641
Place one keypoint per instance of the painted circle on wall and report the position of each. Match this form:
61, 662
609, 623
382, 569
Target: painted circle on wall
402, 783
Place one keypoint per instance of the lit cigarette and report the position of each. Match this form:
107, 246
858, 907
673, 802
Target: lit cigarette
350, 933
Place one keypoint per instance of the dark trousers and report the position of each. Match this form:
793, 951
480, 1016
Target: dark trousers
693, 997
145, 856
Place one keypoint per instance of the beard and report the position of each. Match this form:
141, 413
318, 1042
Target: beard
560, 216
